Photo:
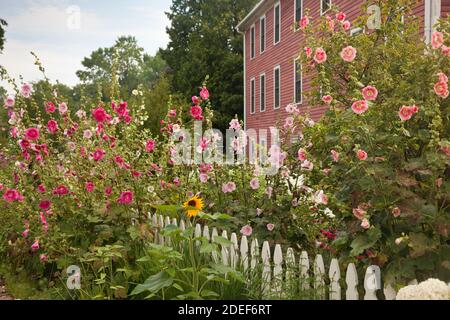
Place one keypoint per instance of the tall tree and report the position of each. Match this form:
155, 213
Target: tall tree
204, 41
3, 24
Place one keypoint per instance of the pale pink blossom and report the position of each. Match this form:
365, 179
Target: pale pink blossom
327, 99
348, 54
406, 112
335, 155
270, 227
228, 187
259, 212
346, 25
203, 177
247, 231
9, 102
445, 50
301, 154
340, 16
63, 108
362, 155
291, 108
396, 212
359, 213
87, 134
437, 39
370, 93
308, 165
234, 124
43, 258
441, 89
25, 90
398, 241
289, 122
365, 224
304, 22
269, 191
360, 106
320, 56
254, 184
320, 197
443, 77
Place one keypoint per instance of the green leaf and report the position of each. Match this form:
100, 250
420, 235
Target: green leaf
365, 241
222, 241
154, 283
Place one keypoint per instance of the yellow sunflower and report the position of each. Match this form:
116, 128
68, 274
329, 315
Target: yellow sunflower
194, 202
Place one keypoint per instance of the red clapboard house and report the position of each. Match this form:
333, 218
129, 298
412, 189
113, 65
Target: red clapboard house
271, 75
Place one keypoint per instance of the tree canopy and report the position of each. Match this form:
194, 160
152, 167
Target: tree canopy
3, 24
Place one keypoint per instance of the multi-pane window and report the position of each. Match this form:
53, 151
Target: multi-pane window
262, 34
276, 87
298, 10
298, 81
262, 92
325, 5
277, 23
252, 95
252, 42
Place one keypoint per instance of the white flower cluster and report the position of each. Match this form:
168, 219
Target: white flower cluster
432, 289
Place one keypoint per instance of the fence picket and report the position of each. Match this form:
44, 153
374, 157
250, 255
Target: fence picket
244, 253
372, 283
277, 269
254, 252
214, 234
319, 275
335, 276
389, 292
266, 272
225, 252
351, 278
290, 270
304, 271
161, 225
206, 233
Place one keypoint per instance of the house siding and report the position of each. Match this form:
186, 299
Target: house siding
284, 53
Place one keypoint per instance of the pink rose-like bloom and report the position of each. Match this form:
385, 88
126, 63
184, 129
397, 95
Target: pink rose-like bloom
360, 106
320, 56
12, 195
308, 52
228, 187
50, 107
396, 212
126, 197
348, 54
87, 134
291, 108
445, 50
32, 134
288, 122
346, 25
359, 213
327, 99
365, 224
320, 197
234, 124
61, 191
335, 155
259, 212
203, 177
9, 102
301, 154
100, 115
150, 146
446, 150
254, 184
270, 227
406, 112
52, 126
98, 154
437, 40
172, 113
63, 108
269, 191
89, 186
370, 93
442, 77
341, 16
41, 188
204, 93
196, 112
45, 205
43, 258
35, 245
362, 155
304, 22
25, 233
25, 90
441, 89
247, 231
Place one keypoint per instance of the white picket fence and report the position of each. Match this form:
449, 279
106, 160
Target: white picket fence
280, 269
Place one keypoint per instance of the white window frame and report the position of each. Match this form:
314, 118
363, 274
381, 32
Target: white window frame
321, 7
277, 4
296, 28
295, 82
252, 95
265, 92
356, 31
261, 33
278, 67
252, 40
432, 14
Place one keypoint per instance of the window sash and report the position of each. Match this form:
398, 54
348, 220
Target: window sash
298, 82
262, 37
252, 96
277, 79
252, 42
277, 23
298, 10
262, 96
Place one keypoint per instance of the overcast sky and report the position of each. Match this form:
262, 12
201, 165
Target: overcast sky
61, 37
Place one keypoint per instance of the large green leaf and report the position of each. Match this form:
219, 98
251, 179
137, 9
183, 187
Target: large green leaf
365, 241
154, 283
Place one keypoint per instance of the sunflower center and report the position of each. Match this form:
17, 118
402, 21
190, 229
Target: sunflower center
192, 203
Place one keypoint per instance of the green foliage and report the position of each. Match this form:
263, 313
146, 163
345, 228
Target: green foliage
3, 24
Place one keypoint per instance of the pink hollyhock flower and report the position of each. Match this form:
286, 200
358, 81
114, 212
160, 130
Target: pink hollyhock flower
204, 178
45, 205
196, 112
348, 54
89, 186
346, 25
247, 231
204, 93
254, 184
269, 191
335, 155
446, 150
259, 212
100, 115
270, 227
359, 213
50, 107
443, 77
370, 93
362, 155
25, 90
308, 52
234, 124
320, 56
228, 187
176, 181
301, 154
43, 258
288, 122
406, 112
35, 245
14, 132
365, 224
150, 146
126, 197
32, 134
291, 108
320, 197
330, 23
87, 134
360, 106
172, 113
12, 195
445, 50
9, 102
41, 188
61, 191
341, 16
203, 145
195, 100
98, 154
396, 212
439, 182
63, 108
308, 165
108, 191
437, 40
304, 22
327, 99
52, 126
25, 233
441, 89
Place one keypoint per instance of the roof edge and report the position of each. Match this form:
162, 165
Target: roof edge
242, 25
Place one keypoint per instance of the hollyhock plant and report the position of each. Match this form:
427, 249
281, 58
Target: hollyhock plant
320, 56
362, 155
407, 112
437, 39
26, 90
348, 54
32, 134
370, 93
360, 106
327, 99
52, 126
9, 102
247, 230
304, 22
126, 198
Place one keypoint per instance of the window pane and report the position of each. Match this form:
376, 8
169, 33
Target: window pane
277, 24
326, 4
252, 42
298, 83
252, 96
277, 88
298, 10
263, 35
263, 93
